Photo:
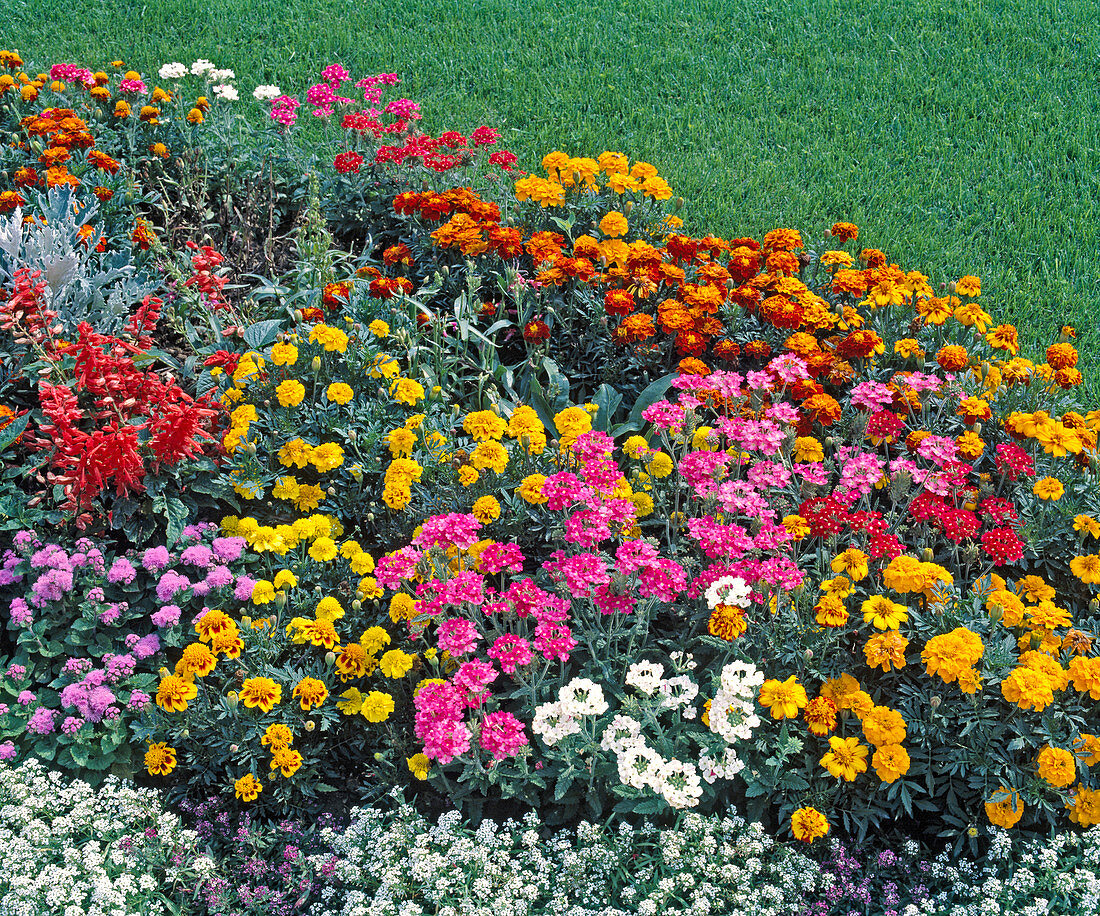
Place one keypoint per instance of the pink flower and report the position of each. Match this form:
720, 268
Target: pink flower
485, 136
451, 530
502, 735
511, 652
457, 636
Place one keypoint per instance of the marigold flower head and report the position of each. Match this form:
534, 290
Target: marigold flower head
808, 824
785, 698
846, 758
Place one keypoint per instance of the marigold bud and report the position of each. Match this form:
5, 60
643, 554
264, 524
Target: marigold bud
316, 364
927, 555
935, 701
330, 658
310, 725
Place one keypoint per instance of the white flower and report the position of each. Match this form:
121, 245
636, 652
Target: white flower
173, 71
679, 783
728, 590
680, 691
582, 697
638, 764
201, 66
620, 734
645, 677
226, 92
266, 93
222, 76
552, 723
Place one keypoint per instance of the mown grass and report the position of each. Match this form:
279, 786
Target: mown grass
961, 137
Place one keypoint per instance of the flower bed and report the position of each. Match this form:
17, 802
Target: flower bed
507, 492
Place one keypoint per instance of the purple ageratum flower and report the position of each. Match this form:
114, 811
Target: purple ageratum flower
156, 558
25, 698
171, 583
167, 616
111, 713
120, 666
24, 540
96, 594
41, 721
138, 701
228, 549
147, 646
197, 555
16, 672
52, 556
200, 589
72, 725
243, 591
7, 751
122, 570
99, 701
77, 667
21, 613
219, 577
52, 586
3, 709
109, 616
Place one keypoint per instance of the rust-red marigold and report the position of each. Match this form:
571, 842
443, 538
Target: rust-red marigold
536, 331
859, 344
618, 302
727, 350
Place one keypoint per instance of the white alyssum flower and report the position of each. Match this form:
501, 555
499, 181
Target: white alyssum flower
201, 66
266, 93
173, 71
222, 76
226, 92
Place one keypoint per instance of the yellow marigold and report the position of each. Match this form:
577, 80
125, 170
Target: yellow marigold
1057, 766
296, 452
852, 562
401, 442
339, 392
160, 759
379, 328
807, 448
891, 762
486, 509
286, 760
489, 455
808, 824
261, 692
327, 457
1087, 749
1004, 808
1085, 674
884, 614
197, 660
419, 765
886, 651
1087, 524
846, 758
396, 664
797, 527
406, 391
1085, 807
322, 550
310, 692
830, 611
377, 706
1028, 689
1048, 488
950, 654
277, 735
883, 725
969, 286
614, 224
247, 788
332, 339
785, 698
402, 607
174, 693
483, 425
290, 392
659, 465
284, 354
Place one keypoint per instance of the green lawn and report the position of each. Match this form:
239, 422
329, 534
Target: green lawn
961, 137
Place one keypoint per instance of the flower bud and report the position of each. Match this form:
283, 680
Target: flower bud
627, 207
310, 725
356, 604
808, 654
330, 658
679, 203
298, 316
316, 364
378, 756
233, 748
232, 699
250, 449
927, 555
352, 435
280, 600
935, 701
